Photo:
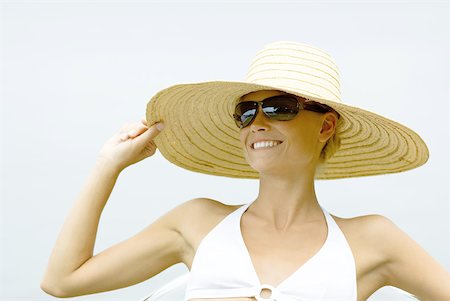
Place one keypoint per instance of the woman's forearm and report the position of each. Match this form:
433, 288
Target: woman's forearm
76, 240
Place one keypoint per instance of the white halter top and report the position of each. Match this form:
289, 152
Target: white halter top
222, 268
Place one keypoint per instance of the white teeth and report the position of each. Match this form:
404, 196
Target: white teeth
264, 144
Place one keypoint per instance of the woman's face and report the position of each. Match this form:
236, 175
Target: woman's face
296, 143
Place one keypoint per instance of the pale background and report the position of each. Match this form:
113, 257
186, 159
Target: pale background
74, 72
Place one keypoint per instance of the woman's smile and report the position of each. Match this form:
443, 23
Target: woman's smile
261, 145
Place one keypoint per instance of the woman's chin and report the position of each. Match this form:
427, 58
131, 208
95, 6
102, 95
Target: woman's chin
265, 168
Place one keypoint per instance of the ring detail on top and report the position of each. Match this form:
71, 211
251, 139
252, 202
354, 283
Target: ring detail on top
272, 296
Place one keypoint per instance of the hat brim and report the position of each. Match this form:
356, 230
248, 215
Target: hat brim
200, 134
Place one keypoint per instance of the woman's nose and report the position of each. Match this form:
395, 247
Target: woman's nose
261, 121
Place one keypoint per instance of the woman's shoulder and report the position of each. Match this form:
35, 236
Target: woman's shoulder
367, 236
386, 252
365, 232
196, 218
200, 214
367, 229
202, 203
205, 207
368, 224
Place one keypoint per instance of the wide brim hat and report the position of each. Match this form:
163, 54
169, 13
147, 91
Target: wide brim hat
200, 133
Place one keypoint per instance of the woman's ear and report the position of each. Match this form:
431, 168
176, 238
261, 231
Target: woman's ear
328, 126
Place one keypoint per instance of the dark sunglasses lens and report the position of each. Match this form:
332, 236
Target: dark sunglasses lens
245, 112
281, 107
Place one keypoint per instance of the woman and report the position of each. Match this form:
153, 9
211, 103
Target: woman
287, 126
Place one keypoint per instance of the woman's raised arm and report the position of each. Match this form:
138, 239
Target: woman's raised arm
72, 269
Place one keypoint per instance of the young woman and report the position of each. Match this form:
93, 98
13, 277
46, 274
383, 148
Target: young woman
286, 126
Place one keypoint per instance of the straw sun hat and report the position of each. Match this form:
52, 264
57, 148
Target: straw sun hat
200, 134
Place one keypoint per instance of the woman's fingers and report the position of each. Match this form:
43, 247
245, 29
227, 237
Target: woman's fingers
133, 125
133, 130
136, 131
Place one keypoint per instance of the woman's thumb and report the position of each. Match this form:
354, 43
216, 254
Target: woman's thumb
159, 126
152, 131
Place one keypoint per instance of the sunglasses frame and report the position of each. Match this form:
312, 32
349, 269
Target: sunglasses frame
302, 104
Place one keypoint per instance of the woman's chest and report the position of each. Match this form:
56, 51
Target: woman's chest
274, 257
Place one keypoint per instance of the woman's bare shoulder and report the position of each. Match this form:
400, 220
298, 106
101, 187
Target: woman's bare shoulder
208, 204
396, 257
365, 229
369, 221
200, 213
366, 233
203, 207
195, 218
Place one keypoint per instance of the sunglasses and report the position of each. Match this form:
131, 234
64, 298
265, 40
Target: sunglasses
279, 107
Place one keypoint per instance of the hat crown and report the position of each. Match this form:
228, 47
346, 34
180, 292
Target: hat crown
297, 67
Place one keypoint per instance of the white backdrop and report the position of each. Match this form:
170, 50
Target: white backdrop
73, 72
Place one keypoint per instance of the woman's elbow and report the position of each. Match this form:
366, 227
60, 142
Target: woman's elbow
54, 290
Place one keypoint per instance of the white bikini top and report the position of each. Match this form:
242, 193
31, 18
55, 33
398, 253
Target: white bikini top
222, 268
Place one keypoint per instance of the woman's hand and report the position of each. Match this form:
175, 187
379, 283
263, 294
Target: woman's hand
132, 144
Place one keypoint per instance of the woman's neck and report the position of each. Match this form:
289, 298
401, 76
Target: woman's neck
284, 201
